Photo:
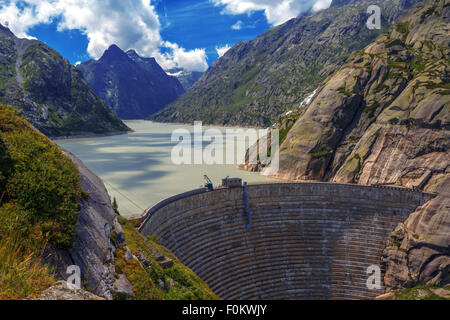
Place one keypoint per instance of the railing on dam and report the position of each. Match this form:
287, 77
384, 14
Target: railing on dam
153, 209
148, 213
307, 240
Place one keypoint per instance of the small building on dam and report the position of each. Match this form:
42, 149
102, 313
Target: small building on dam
307, 240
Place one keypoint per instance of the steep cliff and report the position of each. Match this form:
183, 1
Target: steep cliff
384, 118
98, 236
51, 93
256, 81
418, 251
134, 87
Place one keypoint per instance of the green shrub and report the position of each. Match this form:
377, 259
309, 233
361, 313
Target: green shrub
38, 179
402, 27
419, 293
321, 151
186, 285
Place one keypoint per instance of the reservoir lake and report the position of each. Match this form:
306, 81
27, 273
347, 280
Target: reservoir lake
137, 168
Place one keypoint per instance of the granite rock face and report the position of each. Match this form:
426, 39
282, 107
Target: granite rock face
254, 82
98, 235
384, 117
418, 251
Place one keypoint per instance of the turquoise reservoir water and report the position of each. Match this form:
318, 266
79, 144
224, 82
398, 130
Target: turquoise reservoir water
137, 167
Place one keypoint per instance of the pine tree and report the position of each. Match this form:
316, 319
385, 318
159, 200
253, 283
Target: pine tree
115, 206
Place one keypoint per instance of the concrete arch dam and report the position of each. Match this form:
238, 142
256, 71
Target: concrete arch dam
305, 240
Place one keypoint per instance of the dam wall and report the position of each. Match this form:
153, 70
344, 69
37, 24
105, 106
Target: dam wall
305, 241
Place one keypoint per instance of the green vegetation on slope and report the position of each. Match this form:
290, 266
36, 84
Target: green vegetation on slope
40, 193
421, 293
152, 281
41, 186
49, 91
256, 81
22, 273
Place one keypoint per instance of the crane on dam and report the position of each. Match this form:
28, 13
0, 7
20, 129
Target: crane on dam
208, 183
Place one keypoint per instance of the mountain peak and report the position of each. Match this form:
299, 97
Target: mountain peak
114, 47
141, 85
5, 31
113, 52
52, 86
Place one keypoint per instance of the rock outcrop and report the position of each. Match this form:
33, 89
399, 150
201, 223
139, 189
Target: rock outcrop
384, 118
61, 291
49, 91
132, 86
98, 236
418, 251
254, 82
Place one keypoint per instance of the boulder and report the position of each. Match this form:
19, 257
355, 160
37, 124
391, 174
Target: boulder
61, 291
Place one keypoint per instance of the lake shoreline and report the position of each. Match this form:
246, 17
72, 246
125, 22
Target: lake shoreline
209, 125
92, 135
101, 135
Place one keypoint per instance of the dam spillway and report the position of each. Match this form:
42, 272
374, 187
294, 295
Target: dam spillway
305, 241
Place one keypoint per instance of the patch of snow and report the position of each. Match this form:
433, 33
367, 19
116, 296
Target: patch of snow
308, 99
176, 74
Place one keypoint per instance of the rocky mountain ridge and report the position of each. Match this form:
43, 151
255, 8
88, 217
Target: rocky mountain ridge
51, 93
186, 78
254, 82
132, 86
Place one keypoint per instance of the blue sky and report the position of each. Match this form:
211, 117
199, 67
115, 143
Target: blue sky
179, 33
200, 24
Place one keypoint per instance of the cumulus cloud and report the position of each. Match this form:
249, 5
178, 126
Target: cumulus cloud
237, 25
276, 11
321, 4
190, 60
130, 24
221, 50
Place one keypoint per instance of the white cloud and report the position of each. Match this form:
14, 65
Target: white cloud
321, 4
130, 24
237, 25
190, 60
221, 50
276, 11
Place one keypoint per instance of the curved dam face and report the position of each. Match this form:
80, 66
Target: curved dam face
305, 240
